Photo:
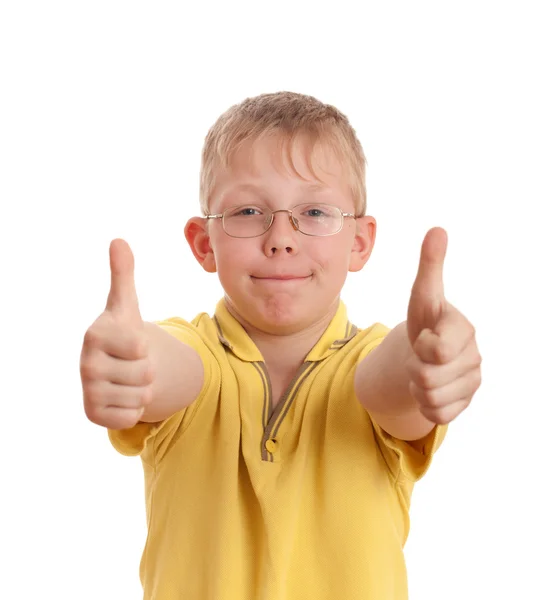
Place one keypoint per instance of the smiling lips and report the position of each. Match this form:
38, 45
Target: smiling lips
282, 277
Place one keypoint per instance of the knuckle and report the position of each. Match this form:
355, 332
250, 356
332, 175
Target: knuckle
424, 376
431, 397
92, 412
93, 397
442, 353
91, 338
89, 369
440, 416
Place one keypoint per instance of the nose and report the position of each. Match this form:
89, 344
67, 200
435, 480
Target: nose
282, 234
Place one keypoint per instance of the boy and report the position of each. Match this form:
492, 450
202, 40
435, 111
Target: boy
279, 450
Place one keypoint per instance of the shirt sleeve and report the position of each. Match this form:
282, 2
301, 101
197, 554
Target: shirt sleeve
407, 461
151, 441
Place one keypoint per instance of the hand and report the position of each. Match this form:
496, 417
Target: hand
115, 368
445, 366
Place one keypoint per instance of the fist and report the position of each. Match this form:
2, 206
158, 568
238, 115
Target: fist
444, 369
115, 367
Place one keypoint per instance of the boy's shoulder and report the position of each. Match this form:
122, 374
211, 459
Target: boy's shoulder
222, 331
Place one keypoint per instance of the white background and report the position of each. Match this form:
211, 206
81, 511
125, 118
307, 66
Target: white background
104, 108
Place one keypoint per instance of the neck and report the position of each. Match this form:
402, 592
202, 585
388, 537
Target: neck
286, 353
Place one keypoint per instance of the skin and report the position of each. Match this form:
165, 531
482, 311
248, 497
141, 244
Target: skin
426, 371
284, 318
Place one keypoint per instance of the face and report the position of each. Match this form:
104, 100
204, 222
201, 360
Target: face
283, 281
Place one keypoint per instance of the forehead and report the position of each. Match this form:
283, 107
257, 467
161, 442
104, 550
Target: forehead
275, 160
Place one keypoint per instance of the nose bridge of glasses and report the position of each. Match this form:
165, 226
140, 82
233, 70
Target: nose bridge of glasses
292, 220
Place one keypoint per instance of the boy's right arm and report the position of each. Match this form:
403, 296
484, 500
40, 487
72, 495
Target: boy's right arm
133, 371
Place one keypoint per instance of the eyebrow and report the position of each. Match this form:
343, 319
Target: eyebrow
252, 187
262, 192
245, 187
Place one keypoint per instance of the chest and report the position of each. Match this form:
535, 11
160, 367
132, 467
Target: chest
280, 384
278, 391
270, 413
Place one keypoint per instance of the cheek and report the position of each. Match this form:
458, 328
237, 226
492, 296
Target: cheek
232, 256
333, 256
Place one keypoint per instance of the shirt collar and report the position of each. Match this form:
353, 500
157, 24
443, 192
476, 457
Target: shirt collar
234, 337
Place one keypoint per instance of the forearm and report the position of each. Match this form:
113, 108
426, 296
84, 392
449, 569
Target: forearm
178, 374
382, 384
382, 387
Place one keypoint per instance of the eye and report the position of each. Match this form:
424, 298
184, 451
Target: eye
245, 211
314, 212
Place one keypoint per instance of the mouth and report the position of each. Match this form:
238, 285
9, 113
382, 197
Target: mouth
281, 278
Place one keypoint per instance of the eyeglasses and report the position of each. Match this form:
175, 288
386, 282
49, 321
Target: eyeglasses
249, 221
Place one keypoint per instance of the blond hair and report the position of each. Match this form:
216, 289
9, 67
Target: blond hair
291, 115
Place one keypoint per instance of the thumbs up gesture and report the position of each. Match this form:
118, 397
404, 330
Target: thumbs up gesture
444, 368
122, 299
115, 367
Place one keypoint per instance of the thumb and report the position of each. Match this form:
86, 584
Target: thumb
429, 280
427, 301
122, 297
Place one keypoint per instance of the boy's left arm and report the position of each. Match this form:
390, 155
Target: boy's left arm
427, 369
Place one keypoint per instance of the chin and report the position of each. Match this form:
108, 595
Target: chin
281, 316
277, 312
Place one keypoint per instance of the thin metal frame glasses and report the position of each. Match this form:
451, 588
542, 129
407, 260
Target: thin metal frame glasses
269, 214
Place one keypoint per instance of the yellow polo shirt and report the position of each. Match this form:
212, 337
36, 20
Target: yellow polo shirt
308, 501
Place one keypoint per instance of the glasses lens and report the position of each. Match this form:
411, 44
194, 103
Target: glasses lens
246, 221
318, 219
311, 219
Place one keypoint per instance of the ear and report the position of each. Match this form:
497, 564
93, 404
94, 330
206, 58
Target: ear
197, 236
364, 240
